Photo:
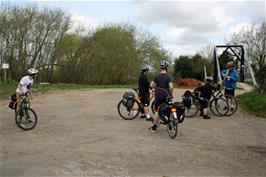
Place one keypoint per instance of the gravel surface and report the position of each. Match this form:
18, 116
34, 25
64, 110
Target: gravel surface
79, 133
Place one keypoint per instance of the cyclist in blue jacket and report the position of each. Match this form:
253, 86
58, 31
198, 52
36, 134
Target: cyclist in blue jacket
230, 76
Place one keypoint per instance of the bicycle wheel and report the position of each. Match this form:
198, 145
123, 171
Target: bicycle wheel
127, 114
26, 119
232, 104
220, 105
192, 111
172, 127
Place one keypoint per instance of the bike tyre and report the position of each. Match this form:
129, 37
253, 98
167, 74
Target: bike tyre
215, 103
229, 113
172, 127
120, 105
18, 119
192, 111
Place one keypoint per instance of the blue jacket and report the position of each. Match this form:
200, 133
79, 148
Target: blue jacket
231, 83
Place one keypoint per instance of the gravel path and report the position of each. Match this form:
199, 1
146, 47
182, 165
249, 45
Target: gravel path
80, 133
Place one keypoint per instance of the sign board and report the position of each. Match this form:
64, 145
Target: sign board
5, 65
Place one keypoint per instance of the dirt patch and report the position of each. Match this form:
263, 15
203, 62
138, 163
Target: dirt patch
188, 82
80, 133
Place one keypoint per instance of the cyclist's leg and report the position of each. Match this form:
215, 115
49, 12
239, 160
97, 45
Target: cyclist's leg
204, 106
231, 93
155, 121
142, 103
19, 99
146, 103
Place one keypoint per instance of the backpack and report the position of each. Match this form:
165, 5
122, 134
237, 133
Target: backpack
129, 100
13, 101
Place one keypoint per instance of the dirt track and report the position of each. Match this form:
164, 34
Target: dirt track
80, 133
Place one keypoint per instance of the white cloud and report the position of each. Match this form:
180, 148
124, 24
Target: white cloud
223, 19
191, 25
82, 23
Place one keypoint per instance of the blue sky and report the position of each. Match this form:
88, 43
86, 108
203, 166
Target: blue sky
184, 27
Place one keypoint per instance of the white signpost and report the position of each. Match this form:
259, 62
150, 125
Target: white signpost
5, 66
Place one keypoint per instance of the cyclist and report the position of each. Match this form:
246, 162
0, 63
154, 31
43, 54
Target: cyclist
230, 76
144, 92
204, 94
163, 80
25, 86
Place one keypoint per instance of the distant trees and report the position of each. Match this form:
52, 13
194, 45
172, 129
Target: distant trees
112, 54
191, 66
28, 38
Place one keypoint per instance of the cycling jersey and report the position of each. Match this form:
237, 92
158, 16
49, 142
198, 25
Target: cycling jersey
144, 87
144, 84
206, 90
162, 91
26, 83
162, 81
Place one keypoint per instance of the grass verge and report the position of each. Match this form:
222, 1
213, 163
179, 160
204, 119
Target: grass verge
9, 88
254, 102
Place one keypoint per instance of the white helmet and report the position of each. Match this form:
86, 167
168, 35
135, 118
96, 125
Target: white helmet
145, 68
164, 64
32, 71
209, 79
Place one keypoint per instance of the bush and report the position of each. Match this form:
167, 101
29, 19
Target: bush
261, 79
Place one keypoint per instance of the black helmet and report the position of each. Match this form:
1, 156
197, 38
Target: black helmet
145, 68
164, 64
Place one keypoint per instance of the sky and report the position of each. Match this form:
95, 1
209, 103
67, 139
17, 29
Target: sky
183, 27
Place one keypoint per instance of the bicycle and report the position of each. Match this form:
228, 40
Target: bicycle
169, 113
217, 104
180, 119
25, 118
130, 106
232, 103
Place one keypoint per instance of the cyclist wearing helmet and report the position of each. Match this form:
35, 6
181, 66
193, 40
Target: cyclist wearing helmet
144, 92
25, 85
204, 94
164, 81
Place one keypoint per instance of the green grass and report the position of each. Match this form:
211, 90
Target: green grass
254, 102
9, 88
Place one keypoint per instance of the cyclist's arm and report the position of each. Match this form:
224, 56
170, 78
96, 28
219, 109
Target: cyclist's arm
171, 88
30, 94
153, 84
20, 87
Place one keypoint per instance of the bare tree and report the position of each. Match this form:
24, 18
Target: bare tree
28, 38
254, 40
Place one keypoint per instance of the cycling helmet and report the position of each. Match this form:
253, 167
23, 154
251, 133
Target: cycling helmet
164, 64
145, 68
32, 71
209, 79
